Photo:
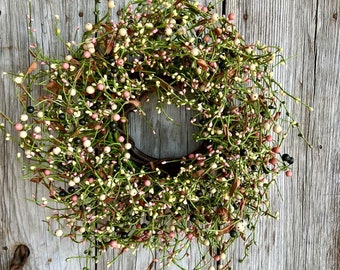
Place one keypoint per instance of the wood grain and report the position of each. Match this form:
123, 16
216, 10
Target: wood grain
307, 236
21, 221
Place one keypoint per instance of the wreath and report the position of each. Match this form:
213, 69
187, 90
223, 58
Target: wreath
105, 191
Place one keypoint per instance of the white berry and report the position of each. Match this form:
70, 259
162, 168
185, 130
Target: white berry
122, 32
277, 129
58, 232
23, 134
56, 150
90, 90
195, 51
24, 117
111, 4
88, 27
127, 146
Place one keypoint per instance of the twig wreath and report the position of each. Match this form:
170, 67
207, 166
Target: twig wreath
104, 191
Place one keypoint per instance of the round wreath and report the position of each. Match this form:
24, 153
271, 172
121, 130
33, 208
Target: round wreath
111, 195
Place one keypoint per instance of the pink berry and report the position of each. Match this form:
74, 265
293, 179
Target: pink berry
231, 16
147, 183
113, 244
120, 62
94, 116
47, 172
289, 173
66, 66
276, 149
87, 54
100, 86
126, 94
217, 258
172, 234
18, 126
269, 138
273, 161
201, 163
74, 198
116, 117
90, 179
190, 236
121, 139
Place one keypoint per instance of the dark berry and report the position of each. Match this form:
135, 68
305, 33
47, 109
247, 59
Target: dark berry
30, 109
202, 121
124, 235
62, 193
148, 218
290, 160
144, 225
82, 122
221, 64
71, 189
265, 169
192, 218
233, 233
61, 116
285, 157
94, 107
243, 152
199, 193
77, 140
113, 125
253, 167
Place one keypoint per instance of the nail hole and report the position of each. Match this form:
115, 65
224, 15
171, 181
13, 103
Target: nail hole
245, 16
335, 16
320, 146
81, 14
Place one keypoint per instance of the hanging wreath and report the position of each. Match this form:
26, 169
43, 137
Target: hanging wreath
106, 192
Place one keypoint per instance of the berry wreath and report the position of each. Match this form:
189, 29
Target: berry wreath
110, 194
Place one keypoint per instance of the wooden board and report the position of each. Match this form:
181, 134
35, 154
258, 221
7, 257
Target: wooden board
307, 236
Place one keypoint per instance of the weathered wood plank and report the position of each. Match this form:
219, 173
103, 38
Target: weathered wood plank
307, 235
21, 221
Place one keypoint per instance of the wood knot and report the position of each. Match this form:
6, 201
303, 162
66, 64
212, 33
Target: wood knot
245, 16
119, 12
335, 16
20, 256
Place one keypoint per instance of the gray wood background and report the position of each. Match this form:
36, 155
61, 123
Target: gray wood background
307, 236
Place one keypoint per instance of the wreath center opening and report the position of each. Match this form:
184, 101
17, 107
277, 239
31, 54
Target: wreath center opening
162, 131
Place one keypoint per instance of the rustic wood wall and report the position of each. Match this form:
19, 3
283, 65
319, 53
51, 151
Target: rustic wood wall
307, 236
